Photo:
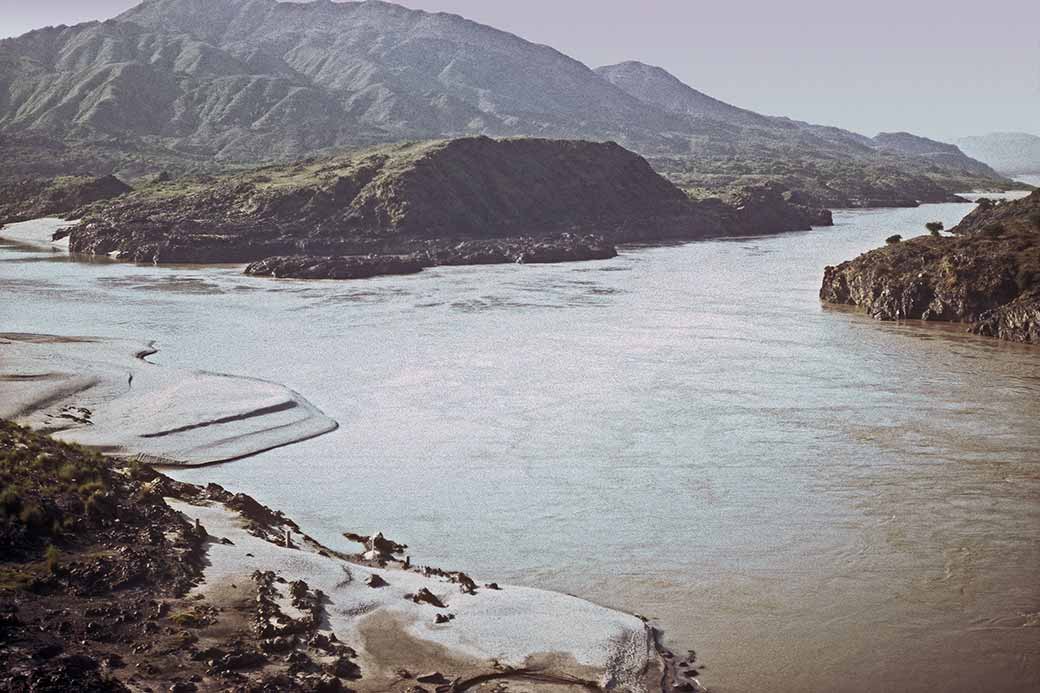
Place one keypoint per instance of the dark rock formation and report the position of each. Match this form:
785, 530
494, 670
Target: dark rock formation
397, 209
564, 248
341, 267
987, 275
34, 198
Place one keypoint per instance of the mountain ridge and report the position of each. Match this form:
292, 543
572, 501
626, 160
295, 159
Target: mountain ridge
190, 85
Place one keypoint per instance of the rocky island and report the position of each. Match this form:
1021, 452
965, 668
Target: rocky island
987, 274
397, 209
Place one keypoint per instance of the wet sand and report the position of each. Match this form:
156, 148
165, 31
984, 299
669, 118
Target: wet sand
538, 640
103, 393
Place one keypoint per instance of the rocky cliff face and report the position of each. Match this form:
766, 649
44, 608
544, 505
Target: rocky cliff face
987, 274
440, 202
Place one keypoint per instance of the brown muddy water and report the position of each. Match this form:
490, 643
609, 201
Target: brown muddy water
812, 500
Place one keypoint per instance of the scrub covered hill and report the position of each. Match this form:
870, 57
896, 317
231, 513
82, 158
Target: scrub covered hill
442, 202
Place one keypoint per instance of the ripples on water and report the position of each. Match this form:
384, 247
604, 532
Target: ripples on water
814, 500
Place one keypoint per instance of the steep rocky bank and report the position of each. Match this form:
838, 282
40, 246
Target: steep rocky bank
463, 201
987, 274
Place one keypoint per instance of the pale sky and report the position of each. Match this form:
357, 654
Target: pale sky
941, 68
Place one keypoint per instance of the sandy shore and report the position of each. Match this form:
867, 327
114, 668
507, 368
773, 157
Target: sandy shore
37, 233
533, 639
103, 393
519, 639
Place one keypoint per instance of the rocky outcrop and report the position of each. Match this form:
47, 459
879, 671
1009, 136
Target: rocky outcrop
34, 198
987, 274
342, 267
448, 202
1017, 321
564, 248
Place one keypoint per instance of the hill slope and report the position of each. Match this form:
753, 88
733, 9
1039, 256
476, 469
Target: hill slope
1011, 153
821, 165
188, 84
439, 202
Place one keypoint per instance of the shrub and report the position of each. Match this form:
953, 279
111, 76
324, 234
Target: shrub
68, 472
99, 506
52, 556
86, 490
994, 228
892, 240
934, 227
10, 501
32, 516
187, 619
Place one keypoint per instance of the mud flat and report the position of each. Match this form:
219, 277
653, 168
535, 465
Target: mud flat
406, 621
104, 394
38, 233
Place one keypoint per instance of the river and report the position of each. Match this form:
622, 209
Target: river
813, 500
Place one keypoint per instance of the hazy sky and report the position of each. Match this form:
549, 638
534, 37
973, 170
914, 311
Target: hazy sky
943, 68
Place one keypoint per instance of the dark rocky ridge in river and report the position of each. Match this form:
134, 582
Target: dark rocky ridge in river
191, 85
464, 201
564, 248
987, 274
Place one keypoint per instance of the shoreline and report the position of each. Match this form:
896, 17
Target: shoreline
104, 394
410, 618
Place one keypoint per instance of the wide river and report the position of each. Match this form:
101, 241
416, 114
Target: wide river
812, 500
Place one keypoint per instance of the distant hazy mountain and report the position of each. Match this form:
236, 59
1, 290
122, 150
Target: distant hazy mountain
1011, 153
190, 82
939, 153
